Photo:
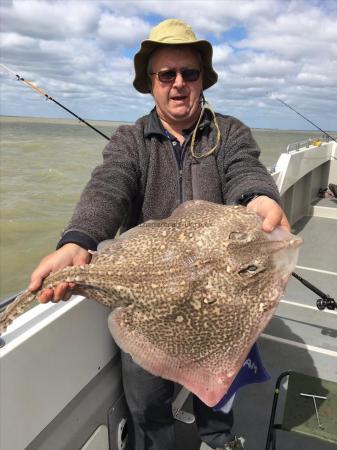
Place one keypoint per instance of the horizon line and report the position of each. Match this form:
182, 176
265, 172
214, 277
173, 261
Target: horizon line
76, 121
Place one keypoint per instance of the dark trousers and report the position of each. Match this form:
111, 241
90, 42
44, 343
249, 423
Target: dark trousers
151, 424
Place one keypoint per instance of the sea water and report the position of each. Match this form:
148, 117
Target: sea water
44, 165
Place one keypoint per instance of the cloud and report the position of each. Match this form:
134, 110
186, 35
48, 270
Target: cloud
299, 32
15, 40
49, 19
122, 30
81, 53
206, 17
221, 53
264, 66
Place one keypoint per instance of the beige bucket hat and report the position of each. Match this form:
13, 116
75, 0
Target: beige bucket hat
172, 32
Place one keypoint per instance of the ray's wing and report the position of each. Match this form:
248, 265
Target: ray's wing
199, 340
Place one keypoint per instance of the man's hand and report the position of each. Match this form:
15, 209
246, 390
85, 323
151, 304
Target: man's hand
271, 212
68, 255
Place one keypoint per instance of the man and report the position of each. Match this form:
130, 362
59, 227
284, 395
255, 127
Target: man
181, 151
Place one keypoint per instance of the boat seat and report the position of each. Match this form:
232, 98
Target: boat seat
310, 408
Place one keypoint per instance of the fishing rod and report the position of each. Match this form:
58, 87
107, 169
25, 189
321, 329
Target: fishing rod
40, 91
325, 301
305, 118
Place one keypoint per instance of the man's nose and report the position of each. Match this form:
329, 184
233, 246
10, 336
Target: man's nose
179, 80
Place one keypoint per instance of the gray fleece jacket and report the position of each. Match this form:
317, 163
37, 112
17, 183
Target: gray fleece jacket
142, 177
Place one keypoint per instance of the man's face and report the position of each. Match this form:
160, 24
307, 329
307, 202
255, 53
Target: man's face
177, 101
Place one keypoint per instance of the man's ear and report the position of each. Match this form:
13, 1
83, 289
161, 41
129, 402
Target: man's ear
149, 83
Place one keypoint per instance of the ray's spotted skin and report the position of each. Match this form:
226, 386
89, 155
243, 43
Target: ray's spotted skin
190, 294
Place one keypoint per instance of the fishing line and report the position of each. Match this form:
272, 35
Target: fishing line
305, 118
40, 91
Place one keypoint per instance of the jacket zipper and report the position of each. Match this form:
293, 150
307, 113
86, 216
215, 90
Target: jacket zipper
181, 185
180, 162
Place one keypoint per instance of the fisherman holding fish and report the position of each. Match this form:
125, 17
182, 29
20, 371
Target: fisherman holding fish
181, 151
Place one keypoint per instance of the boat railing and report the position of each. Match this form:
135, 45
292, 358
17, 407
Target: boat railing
316, 141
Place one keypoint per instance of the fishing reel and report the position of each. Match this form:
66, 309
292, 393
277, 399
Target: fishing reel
326, 302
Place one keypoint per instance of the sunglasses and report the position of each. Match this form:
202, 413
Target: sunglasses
167, 76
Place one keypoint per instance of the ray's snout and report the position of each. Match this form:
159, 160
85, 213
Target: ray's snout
287, 239
286, 254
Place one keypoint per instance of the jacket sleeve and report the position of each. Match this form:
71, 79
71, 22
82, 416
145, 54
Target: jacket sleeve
107, 198
243, 172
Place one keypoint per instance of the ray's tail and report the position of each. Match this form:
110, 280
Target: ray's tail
15, 309
18, 306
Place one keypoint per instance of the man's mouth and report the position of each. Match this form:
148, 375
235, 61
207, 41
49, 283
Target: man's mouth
177, 98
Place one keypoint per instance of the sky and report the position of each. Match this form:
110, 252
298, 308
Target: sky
81, 53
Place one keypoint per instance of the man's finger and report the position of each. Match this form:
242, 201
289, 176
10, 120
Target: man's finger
274, 219
60, 291
34, 285
38, 276
35, 282
46, 295
271, 221
285, 223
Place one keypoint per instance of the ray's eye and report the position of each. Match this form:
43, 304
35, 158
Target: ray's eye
248, 270
238, 236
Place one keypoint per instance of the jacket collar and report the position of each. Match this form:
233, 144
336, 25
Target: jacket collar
155, 127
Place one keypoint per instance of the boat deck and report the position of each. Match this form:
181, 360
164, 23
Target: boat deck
299, 337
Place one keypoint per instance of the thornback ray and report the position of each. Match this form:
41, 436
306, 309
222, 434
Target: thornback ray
189, 294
